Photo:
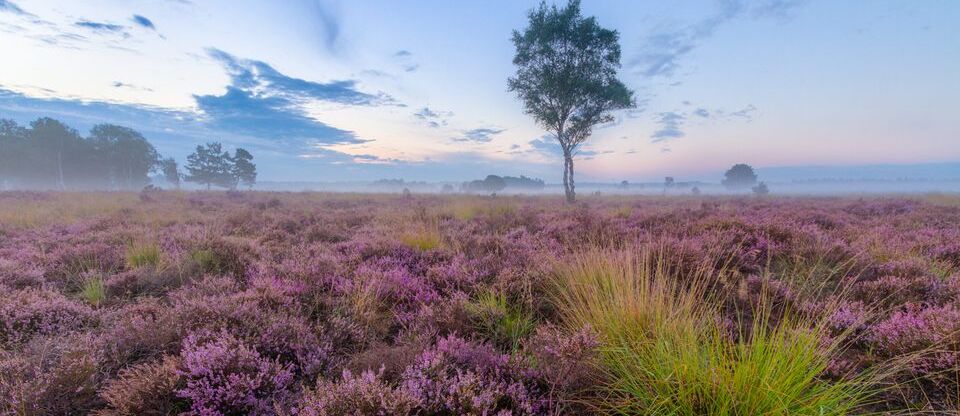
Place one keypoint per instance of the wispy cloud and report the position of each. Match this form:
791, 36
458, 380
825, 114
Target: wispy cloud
664, 49
404, 59
143, 22
118, 84
433, 118
670, 123
9, 6
99, 26
547, 145
480, 135
329, 24
260, 78
262, 102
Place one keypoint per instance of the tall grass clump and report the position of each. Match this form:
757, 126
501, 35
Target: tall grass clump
93, 291
506, 323
143, 255
665, 350
422, 236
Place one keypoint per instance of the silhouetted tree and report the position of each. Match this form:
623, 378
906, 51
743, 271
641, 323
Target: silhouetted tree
567, 77
13, 145
51, 145
209, 165
243, 168
127, 154
50, 154
740, 176
171, 172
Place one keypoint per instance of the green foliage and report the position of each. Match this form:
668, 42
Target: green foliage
422, 237
208, 261
506, 324
244, 170
143, 255
93, 291
665, 351
211, 166
129, 156
567, 76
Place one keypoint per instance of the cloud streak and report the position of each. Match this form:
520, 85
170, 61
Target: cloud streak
480, 135
663, 51
143, 22
670, 123
10, 7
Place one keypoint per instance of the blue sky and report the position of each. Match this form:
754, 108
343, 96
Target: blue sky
361, 90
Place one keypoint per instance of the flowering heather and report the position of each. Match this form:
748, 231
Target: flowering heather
307, 303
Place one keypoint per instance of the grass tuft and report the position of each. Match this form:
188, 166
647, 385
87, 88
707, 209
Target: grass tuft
93, 291
665, 350
146, 255
506, 324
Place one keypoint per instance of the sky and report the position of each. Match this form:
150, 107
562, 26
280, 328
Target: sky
362, 90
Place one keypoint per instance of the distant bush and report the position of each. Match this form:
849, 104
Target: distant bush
492, 183
761, 189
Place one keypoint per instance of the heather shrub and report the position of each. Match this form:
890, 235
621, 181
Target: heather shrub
141, 331
474, 318
145, 389
227, 256
363, 394
51, 375
568, 363
26, 313
456, 376
222, 375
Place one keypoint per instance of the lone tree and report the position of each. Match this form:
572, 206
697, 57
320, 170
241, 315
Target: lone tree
567, 77
243, 168
210, 165
171, 172
740, 176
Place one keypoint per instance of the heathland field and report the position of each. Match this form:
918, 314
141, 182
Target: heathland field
319, 304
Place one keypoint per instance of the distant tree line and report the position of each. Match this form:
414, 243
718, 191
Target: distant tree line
494, 183
48, 154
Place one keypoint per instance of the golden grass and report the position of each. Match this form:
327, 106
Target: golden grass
665, 351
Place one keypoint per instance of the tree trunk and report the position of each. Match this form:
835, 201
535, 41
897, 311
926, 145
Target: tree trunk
568, 187
61, 183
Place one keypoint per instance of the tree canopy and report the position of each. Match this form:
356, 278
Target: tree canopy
48, 154
739, 176
210, 166
567, 77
